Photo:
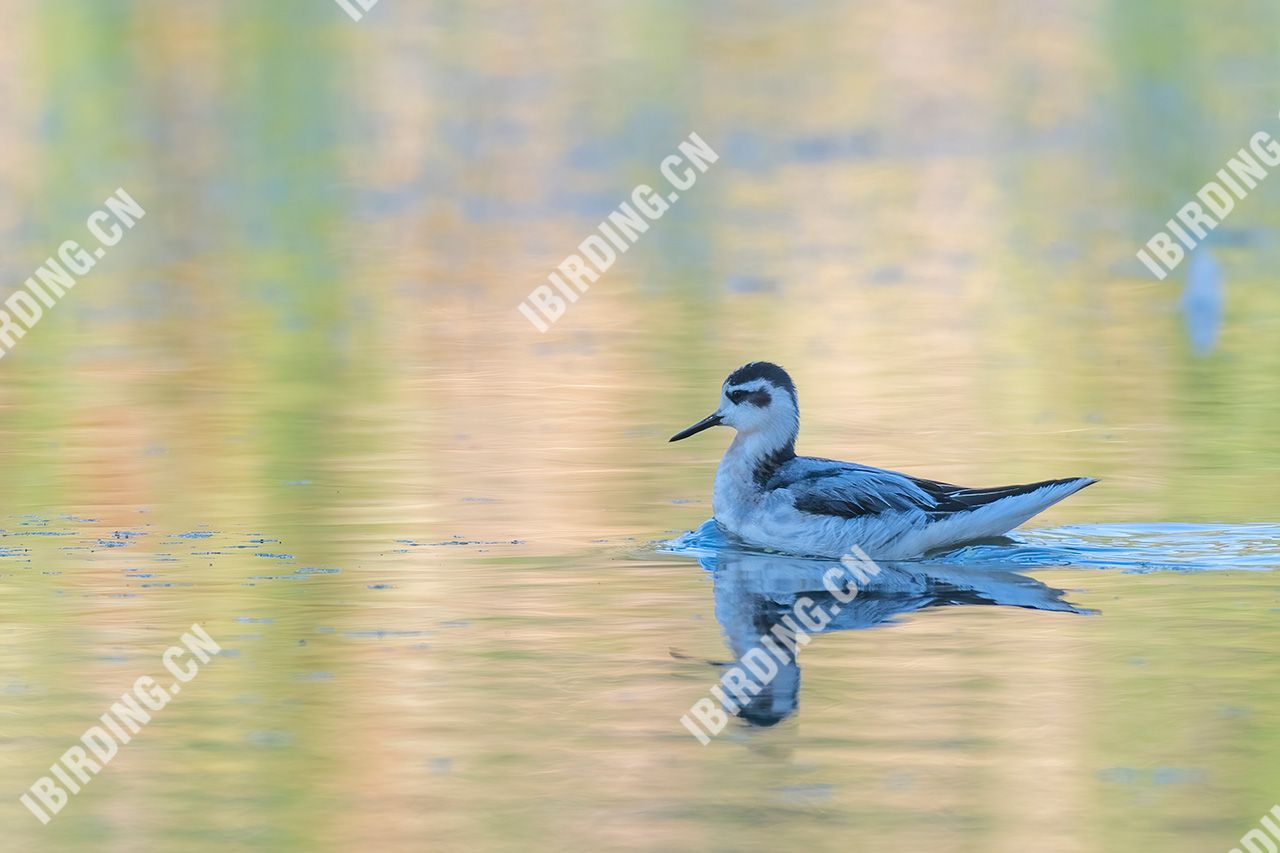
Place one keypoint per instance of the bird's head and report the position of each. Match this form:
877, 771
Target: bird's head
757, 398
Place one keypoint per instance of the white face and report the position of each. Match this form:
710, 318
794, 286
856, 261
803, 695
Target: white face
754, 407
758, 406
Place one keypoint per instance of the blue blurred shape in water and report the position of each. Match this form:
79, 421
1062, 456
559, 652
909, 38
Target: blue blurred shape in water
1202, 301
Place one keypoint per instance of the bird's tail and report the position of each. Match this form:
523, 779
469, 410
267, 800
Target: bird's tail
999, 510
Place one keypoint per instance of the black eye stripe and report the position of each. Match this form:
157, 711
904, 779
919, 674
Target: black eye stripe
759, 398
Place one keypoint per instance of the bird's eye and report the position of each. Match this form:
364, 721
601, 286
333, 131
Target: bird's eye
737, 397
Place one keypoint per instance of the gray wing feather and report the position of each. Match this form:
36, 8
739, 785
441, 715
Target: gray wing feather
824, 487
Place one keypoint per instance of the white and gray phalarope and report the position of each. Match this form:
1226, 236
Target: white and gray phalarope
768, 496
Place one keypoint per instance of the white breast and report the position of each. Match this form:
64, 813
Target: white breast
736, 496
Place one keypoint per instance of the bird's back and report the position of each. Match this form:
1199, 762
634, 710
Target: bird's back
890, 514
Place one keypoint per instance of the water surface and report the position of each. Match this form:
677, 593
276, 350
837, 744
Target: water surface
297, 405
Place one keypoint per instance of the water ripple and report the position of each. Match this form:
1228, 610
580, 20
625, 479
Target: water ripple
1127, 547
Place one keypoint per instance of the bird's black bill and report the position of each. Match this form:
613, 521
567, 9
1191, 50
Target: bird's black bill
707, 423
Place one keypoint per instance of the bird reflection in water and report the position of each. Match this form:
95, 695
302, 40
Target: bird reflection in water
761, 595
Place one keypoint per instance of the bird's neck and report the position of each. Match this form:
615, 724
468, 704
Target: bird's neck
750, 462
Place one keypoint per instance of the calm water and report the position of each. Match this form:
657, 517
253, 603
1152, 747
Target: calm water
450, 560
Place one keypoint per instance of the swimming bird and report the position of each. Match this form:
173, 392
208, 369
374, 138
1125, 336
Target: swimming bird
768, 496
